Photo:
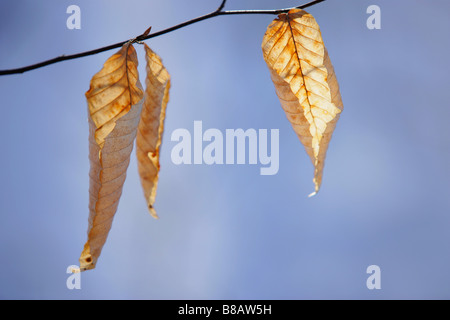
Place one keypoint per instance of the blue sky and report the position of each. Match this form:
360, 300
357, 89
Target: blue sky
225, 231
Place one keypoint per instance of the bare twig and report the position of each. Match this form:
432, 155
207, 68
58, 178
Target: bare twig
145, 36
222, 5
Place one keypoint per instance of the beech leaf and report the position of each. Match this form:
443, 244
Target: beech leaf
304, 81
151, 126
114, 107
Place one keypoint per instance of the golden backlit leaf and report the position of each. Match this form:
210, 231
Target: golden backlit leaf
304, 81
151, 126
114, 107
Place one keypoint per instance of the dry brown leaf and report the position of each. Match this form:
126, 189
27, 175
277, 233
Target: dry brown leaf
304, 81
151, 126
114, 107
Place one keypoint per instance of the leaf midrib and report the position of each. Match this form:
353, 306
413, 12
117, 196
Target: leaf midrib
303, 77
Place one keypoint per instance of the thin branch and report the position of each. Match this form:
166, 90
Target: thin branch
222, 5
144, 36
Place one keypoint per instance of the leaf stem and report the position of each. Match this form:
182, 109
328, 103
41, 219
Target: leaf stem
144, 36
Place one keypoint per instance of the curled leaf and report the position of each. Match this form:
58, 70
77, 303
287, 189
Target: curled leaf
304, 81
151, 126
114, 107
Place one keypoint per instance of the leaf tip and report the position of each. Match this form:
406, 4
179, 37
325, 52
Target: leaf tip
75, 270
316, 190
152, 212
312, 194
